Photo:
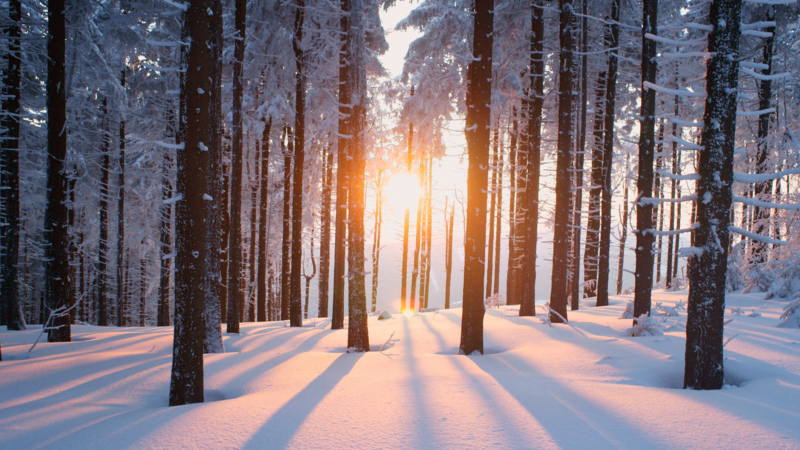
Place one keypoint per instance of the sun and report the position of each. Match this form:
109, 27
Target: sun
402, 192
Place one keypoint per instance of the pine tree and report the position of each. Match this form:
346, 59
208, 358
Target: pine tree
707, 268
121, 213
325, 234
262, 223
296, 299
478, 127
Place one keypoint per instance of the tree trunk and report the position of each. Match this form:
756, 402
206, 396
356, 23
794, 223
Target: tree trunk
186, 385
761, 216
142, 289
376, 241
165, 256
406, 219
217, 204
286, 243
226, 231
489, 257
499, 224
529, 202
309, 277
677, 170
671, 239
478, 125
644, 210
262, 224
56, 239
511, 271
558, 287
121, 211
448, 255
624, 237
325, 236
592, 250
254, 209
357, 332
102, 257
9, 149
429, 231
235, 255
342, 172
295, 311
417, 239
603, 260
707, 270
658, 210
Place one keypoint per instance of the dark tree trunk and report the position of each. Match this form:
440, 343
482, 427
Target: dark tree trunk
604, 260
658, 211
102, 258
73, 245
56, 238
761, 216
295, 307
165, 228
216, 203
592, 250
376, 242
406, 219
529, 202
254, 209
342, 172
624, 233
511, 271
448, 255
325, 236
429, 231
707, 270
671, 239
142, 290
677, 170
357, 332
235, 254
226, 233
644, 210
121, 213
575, 293
262, 224
489, 258
186, 384
558, 287
479, 98
9, 150
286, 243
417, 240
498, 220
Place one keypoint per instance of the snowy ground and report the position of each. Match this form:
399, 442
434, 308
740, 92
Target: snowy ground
577, 387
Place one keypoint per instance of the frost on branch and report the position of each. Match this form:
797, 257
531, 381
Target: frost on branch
791, 313
495, 301
646, 326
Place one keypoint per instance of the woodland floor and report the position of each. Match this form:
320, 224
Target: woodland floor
577, 387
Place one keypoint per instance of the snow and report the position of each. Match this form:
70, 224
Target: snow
576, 386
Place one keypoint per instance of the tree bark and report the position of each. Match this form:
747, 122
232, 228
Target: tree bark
406, 219
511, 271
295, 306
644, 210
325, 236
499, 219
592, 249
478, 125
707, 270
102, 257
417, 240
56, 239
529, 202
376, 242
558, 286
624, 236
449, 255
286, 243
186, 385
165, 254
9, 152
235, 300
262, 224
489, 257
121, 212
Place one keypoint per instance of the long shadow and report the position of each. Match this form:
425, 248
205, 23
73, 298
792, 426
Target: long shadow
558, 410
445, 350
284, 423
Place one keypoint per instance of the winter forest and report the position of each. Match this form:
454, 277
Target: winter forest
390, 224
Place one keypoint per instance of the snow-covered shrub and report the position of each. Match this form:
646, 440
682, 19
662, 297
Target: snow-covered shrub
628, 313
494, 301
671, 311
646, 326
791, 313
779, 277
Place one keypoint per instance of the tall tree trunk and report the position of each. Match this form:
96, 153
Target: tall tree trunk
357, 332
216, 202
73, 245
658, 209
295, 303
671, 239
56, 239
511, 271
489, 257
9, 152
226, 231
186, 385
102, 257
478, 125
677, 170
121, 210
558, 287
325, 236
499, 219
592, 250
448, 255
429, 231
417, 239
575, 292
262, 224
235, 254
644, 209
707, 270
624, 233
286, 243
529, 202
256, 177
142, 289
406, 219
376, 241
342, 172
761, 216
165, 256
603, 260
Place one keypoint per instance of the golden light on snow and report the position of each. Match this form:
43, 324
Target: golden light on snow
402, 191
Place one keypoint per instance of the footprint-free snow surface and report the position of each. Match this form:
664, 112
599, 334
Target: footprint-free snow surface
585, 385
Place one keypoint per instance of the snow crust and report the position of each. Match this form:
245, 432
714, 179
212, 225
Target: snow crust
577, 386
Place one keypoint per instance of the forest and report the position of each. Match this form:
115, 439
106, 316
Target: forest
225, 180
